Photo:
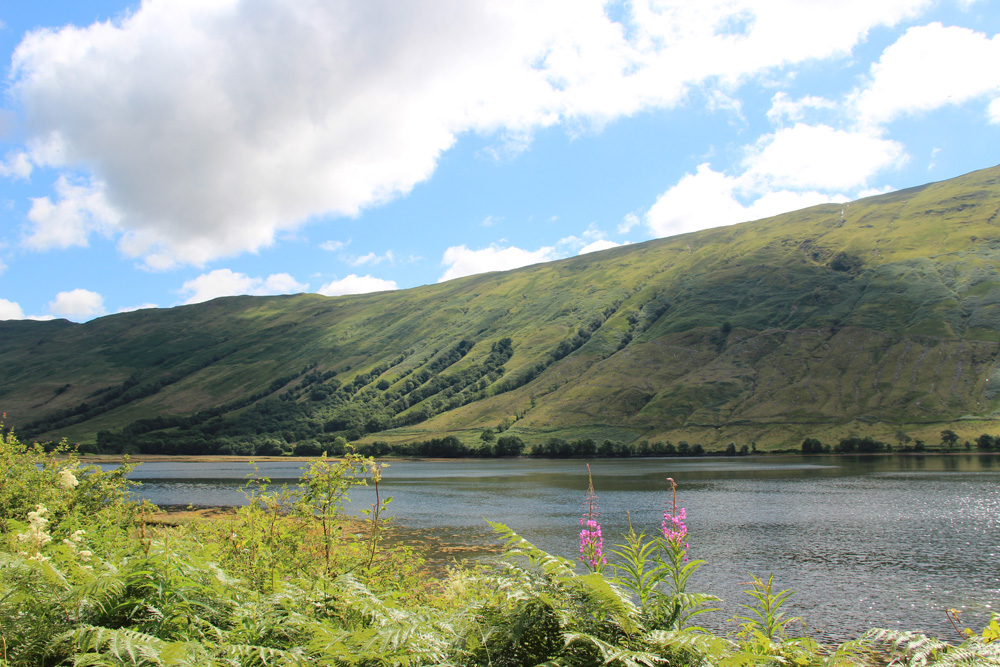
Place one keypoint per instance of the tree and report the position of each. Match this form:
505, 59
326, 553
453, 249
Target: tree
487, 435
509, 445
308, 448
812, 446
949, 437
902, 438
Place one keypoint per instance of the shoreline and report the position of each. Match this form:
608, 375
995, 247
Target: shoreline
223, 458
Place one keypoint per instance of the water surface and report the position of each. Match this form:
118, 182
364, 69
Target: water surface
864, 541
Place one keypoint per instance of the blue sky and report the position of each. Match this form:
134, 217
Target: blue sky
172, 151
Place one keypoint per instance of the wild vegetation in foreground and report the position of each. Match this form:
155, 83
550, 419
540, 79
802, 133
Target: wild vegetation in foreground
85, 580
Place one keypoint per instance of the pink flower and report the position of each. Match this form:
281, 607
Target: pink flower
591, 542
674, 528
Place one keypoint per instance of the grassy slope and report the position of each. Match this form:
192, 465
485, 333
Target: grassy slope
904, 334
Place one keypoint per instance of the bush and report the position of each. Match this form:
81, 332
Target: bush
308, 448
508, 445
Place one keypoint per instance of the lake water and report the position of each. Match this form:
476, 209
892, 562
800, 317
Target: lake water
864, 542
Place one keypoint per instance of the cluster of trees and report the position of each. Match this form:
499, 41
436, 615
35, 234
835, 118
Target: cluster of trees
319, 407
868, 445
557, 448
448, 447
314, 405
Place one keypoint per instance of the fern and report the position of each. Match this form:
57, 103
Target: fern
608, 653
918, 650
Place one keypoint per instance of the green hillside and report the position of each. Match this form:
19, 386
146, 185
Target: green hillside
872, 318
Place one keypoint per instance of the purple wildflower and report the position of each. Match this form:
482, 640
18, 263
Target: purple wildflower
674, 528
591, 542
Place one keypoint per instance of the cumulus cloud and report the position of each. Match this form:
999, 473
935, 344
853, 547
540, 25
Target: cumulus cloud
709, 198
77, 304
598, 245
10, 310
79, 210
354, 284
993, 111
792, 168
805, 156
213, 127
927, 68
461, 261
225, 282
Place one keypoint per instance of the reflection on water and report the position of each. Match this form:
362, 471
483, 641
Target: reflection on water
880, 541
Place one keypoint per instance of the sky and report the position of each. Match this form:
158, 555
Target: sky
168, 152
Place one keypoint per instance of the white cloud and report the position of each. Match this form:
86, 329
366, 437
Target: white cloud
461, 261
597, 246
372, 258
142, 306
217, 126
804, 156
792, 168
591, 239
929, 67
709, 199
354, 284
77, 304
993, 111
332, 246
785, 109
628, 222
225, 282
10, 310
80, 210
16, 165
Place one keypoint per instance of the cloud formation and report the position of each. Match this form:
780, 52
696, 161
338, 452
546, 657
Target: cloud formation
927, 68
462, 261
355, 284
10, 310
79, 211
225, 282
372, 258
208, 128
596, 246
77, 304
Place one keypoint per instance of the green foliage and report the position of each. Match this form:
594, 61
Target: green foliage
914, 649
763, 637
288, 580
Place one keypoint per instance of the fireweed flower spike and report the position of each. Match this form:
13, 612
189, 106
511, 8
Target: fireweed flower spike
674, 528
591, 542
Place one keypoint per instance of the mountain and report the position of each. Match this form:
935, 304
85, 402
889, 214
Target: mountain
879, 317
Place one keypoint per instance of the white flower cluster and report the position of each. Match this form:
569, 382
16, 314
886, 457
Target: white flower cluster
36, 536
67, 479
74, 541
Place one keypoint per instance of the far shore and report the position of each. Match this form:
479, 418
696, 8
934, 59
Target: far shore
222, 458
